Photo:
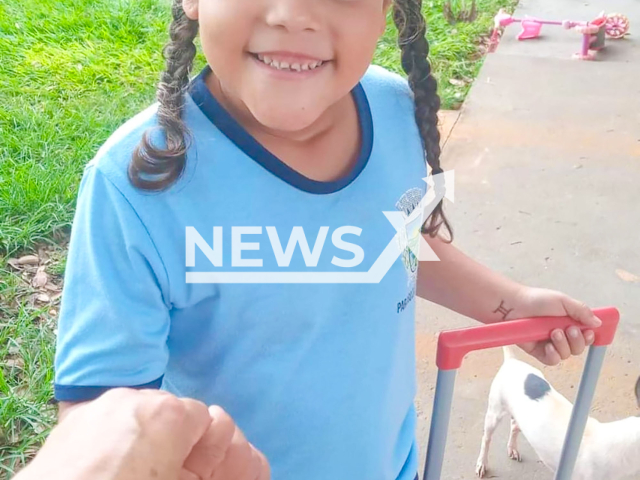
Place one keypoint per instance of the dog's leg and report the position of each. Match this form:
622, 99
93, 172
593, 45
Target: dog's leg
495, 413
512, 446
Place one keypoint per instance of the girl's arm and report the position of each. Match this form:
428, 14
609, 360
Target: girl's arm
463, 285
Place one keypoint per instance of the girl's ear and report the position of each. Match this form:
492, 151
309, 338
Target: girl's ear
190, 8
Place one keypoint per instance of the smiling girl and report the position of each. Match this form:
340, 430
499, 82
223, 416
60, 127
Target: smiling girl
289, 127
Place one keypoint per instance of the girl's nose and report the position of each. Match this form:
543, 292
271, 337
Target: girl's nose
293, 15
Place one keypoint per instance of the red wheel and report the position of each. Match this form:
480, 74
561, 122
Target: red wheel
617, 25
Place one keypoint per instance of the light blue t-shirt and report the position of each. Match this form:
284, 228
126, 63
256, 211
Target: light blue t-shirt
315, 358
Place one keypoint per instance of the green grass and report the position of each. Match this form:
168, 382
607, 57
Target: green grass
26, 349
71, 71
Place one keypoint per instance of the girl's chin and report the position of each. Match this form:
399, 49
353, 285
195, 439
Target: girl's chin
285, 119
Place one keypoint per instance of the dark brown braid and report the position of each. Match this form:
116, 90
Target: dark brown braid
155, 168
408, 17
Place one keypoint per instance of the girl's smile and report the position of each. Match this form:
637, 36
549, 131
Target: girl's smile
292, 62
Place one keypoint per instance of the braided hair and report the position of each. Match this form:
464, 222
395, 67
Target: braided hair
411, 24
153, 168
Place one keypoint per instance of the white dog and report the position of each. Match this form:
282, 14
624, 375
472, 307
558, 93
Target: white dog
609, 451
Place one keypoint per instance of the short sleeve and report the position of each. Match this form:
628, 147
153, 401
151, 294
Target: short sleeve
114, 316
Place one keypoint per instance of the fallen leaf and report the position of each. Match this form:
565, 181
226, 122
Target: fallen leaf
53, 312
56, 296
14, 350
457, 82
29, 260
14, 263
52, 287
15, 362
41, 278
43, 298
627, 276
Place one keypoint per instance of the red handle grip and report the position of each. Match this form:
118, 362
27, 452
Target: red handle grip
453, 345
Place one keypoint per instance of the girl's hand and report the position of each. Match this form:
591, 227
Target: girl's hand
538, 302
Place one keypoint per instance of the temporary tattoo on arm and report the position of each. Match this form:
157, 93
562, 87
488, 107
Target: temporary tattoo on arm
503, 310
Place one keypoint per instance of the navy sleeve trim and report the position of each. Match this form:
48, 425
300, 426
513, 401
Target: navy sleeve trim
75, 393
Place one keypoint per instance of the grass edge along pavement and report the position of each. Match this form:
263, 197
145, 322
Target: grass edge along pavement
71, 72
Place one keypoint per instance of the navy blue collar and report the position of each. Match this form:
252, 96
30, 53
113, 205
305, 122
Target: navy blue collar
216, 113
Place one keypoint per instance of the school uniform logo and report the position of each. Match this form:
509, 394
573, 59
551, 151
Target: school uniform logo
409, 240
409, 237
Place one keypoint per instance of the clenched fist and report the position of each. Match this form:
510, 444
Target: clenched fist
142, 435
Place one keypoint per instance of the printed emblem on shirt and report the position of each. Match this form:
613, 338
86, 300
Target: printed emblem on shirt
409, 238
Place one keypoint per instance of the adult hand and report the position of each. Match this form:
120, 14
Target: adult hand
142, 435
224, 453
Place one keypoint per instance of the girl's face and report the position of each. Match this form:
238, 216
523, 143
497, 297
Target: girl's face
288, 61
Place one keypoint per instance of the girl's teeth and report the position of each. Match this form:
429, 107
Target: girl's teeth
285, 65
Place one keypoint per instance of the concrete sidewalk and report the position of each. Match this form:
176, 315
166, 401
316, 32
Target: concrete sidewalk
546, 154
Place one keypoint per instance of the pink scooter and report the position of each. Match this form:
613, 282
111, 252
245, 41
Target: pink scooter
614, 25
